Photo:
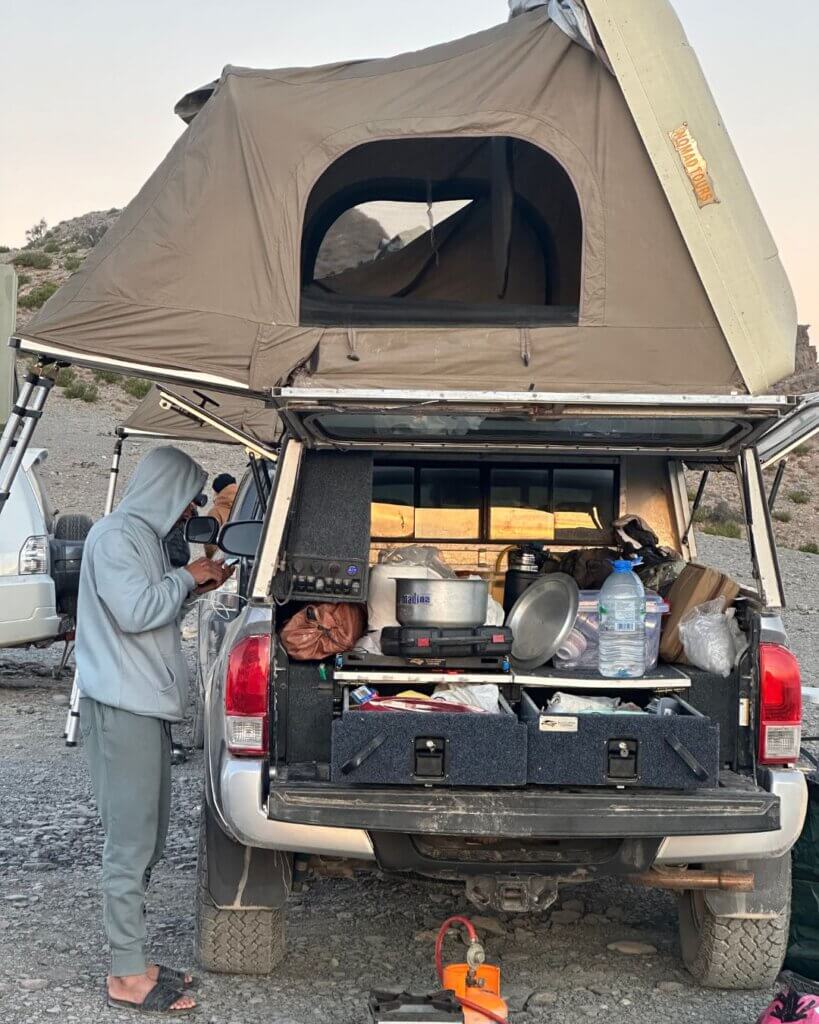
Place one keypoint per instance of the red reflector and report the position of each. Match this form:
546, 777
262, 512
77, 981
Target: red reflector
780, 705
247, 685
498, 638
424, 641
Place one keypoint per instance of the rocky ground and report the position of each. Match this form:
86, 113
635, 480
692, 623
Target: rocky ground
346, 935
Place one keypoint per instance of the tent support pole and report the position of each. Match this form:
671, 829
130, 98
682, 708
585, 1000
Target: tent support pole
72, 722
23, 419
696, 506
113, 477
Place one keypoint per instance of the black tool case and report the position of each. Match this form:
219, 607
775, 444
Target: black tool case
431, 642
678, 751
411, 748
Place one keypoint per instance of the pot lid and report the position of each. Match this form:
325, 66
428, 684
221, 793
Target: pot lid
542, 618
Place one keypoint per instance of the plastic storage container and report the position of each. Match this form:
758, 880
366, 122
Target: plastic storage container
580, 651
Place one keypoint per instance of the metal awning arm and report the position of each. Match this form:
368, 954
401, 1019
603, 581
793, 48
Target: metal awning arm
170, 400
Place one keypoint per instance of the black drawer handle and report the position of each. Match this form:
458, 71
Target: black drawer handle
682, 751
358, 759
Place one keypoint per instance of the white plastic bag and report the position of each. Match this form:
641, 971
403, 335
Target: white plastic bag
709, 637
419, 555
575, 704
483, 696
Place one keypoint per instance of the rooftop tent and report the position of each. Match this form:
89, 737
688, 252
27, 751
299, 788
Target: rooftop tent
248, 415
605, 238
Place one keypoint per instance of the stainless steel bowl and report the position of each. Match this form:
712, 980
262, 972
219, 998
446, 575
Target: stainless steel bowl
447, 604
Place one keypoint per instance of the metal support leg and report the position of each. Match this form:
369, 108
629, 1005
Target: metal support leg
20, 427
72, 723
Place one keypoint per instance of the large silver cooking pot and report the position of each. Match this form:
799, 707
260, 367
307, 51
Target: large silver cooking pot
444, 603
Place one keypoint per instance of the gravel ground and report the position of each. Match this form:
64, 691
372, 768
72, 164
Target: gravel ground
346, 935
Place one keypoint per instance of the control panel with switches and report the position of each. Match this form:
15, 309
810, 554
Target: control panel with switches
328, 579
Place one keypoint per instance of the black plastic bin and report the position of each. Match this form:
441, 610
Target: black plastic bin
590, 749
408, 748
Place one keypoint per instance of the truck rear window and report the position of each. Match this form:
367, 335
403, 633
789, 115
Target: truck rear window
460, 502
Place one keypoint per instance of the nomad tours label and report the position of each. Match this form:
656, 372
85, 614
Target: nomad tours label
695, 166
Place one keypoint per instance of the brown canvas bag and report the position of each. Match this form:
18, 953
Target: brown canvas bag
321, 630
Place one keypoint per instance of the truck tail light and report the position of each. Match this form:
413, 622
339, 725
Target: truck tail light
247, 696
34, 556
780, 705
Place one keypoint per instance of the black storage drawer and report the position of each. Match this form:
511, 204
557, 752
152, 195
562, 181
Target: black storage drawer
649, 751
409, 748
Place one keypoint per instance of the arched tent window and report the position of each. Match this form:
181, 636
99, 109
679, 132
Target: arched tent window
442, 231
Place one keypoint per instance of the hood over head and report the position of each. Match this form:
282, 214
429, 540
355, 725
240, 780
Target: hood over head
164, 483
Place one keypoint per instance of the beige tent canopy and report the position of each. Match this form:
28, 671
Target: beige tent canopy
606, 239
250, 416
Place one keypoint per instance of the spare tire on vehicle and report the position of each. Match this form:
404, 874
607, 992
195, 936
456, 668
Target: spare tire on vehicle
67, 545
72, 527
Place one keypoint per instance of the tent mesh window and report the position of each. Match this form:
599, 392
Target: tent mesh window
491, 235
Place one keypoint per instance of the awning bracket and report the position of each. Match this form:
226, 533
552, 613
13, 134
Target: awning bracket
200, 414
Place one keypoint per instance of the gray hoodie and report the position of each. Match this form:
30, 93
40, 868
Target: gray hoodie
129, 650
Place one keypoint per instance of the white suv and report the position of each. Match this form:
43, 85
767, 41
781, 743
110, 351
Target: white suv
39, 561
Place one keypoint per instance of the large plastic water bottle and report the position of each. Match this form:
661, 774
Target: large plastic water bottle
622, 611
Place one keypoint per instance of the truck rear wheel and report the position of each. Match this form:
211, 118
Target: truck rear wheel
728, 952
233, 941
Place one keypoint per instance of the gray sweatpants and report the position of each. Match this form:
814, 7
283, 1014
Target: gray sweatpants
130, 761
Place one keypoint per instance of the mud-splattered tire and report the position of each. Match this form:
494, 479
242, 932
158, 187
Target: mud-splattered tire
233, 941
730, 953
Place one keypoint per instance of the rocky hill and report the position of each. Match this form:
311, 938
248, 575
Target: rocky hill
805, 378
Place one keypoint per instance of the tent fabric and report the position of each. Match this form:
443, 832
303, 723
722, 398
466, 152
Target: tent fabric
202, 272
570, 16
252, 417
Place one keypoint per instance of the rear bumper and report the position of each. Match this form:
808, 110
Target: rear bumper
531, 813
28, 611
699, 827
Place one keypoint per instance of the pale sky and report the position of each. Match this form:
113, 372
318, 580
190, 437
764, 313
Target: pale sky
87, 90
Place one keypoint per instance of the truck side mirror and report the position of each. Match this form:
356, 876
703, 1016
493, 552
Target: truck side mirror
242, 538
202, 530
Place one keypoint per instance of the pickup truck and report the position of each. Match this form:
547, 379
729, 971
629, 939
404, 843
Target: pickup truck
439, 474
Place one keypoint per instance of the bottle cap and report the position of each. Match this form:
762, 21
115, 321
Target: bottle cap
626, 564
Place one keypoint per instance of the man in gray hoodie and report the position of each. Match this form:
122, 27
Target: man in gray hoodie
133, 678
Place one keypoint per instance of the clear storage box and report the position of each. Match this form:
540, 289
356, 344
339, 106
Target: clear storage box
580, 649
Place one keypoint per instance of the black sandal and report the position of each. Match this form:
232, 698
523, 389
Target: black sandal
172, 977
159, 1000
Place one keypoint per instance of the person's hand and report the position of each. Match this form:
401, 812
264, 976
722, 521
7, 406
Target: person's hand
205, 571
225, 572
